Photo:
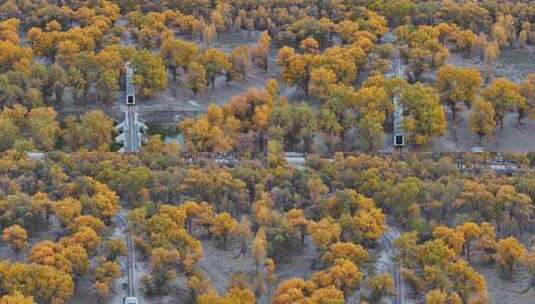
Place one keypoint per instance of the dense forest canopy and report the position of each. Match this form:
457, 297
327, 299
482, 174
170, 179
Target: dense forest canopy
357, 222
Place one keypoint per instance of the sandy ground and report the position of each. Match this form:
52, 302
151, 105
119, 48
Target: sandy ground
219, 265
298, 264
49, 231
511, 138
83, 293
513, 64
506, 291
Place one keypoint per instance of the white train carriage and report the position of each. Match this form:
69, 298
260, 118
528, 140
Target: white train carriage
130, 300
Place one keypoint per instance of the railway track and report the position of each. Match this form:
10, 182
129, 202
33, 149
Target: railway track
394, 269
131, 296
131, 268
399, 298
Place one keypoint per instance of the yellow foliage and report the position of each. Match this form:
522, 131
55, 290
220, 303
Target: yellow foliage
509, 253
325, 232
46, 284
16, 298
223, 225
355, 253
454, 239
16, 237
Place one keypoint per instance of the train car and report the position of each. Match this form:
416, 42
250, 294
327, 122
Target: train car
399, 136
130, 300
130, 88
399, 141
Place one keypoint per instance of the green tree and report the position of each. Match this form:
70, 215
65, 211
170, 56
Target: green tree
381, 285
96, 130
150, 76
481, 120
370, 127
107, 85
260, 51
424, 115
239, 63
196, 78
86, 67
504, 95
396, 11
178, 53
215, 62
56, 83
43, 127
10, 133
456, 85
294, 125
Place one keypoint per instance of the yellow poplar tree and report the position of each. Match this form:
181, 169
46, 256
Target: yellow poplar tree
16, 237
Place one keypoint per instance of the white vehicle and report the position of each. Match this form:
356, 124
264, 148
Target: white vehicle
130, 300
477, 149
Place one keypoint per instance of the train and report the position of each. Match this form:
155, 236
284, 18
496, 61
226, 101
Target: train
130, 94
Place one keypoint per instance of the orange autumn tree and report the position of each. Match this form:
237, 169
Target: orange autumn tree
16, 298
510, 253
222, 226
16, 237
